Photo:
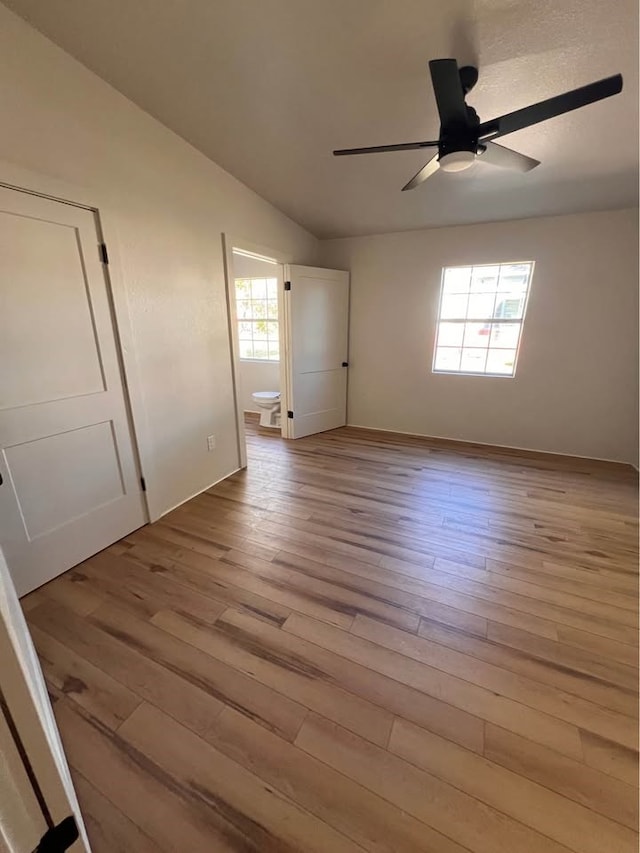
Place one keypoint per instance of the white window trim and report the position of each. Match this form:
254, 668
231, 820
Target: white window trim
493, 321
253, 319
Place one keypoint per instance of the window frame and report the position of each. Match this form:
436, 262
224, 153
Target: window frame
254, 320
486, 321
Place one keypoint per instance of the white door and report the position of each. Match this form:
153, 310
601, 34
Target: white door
70, 483
316, 350
36, 791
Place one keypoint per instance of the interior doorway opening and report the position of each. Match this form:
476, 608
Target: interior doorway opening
289, 332
257, 285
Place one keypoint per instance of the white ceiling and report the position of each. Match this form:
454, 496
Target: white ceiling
267, 88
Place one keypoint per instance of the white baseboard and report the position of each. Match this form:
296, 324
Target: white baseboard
195, 495
496, 446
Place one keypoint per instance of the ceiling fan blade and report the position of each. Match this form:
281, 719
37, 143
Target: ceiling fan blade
551, 107
498, 155
420, 177
403, 146
447, 88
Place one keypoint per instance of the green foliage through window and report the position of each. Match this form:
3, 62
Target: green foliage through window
257, 313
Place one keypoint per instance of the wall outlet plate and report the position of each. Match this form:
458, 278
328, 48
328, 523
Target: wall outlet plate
211, 442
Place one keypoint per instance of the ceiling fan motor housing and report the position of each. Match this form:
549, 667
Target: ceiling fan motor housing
459, 138
468, 77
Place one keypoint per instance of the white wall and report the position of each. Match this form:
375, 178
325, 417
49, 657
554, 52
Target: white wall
257, 376
170, 206
576, 387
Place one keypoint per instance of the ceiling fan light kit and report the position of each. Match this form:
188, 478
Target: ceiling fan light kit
456, 161
464, 138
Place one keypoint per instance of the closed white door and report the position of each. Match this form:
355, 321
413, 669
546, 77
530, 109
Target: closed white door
316, 350
70, 482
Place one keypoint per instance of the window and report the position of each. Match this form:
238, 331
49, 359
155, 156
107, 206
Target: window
257, 310
480, 319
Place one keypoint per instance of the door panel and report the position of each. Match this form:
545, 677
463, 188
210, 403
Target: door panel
37, 305
22, 822
68, 493
71, 485
317, 330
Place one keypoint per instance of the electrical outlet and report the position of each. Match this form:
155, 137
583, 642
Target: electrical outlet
211, 442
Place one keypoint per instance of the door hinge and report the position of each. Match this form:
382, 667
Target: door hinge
289, 414
143, 484
60, 837
104, 256
287, 285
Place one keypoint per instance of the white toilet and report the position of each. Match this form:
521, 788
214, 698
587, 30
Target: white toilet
269, 404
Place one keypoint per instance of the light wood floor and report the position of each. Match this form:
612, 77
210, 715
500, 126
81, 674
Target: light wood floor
364, 642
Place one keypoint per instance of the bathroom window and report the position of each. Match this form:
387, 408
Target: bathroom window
257, 312
480, 318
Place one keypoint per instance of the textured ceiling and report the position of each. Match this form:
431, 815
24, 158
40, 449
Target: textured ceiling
267, 88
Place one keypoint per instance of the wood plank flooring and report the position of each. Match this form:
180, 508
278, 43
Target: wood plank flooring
363, 642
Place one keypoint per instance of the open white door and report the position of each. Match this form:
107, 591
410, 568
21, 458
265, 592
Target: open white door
316, 329
68, 478
36, 792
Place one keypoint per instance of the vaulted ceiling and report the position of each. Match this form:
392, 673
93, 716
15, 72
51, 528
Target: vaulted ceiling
267, 88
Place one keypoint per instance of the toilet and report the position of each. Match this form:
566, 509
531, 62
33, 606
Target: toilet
269, 404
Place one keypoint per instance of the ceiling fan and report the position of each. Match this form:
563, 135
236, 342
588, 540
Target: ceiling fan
464, 138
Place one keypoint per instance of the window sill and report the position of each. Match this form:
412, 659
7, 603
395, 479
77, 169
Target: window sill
467, 373
261, 360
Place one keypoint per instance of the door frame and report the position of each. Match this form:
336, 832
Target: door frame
229, 243
26, 181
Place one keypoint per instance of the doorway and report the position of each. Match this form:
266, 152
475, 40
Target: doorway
69, 478
257, 299
295, 317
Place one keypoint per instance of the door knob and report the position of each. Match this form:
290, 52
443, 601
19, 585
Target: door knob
345, 364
